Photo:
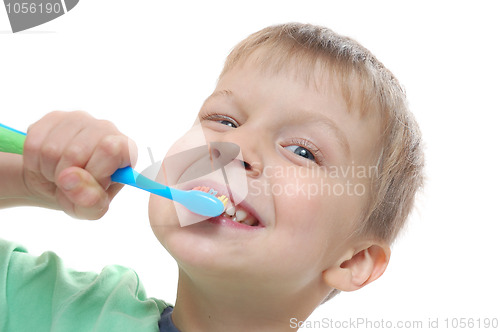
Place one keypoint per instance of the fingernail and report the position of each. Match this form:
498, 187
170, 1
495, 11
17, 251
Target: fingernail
70, 181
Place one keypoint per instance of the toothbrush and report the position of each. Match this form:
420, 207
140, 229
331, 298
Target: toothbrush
197, 201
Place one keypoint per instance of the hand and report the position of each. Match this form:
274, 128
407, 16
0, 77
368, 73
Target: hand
69, 159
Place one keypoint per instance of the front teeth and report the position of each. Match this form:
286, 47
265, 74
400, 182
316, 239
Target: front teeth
239, 216
230, 211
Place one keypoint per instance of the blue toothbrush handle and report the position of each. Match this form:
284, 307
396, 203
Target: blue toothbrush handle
131, 177
197, 201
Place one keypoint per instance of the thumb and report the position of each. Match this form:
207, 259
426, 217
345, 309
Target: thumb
80, 195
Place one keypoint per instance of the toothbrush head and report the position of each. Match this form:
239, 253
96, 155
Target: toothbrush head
205, 203
213, 192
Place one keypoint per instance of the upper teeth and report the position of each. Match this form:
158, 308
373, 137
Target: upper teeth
231, 210
240, 216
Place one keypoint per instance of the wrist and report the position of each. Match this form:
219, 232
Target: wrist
12, 177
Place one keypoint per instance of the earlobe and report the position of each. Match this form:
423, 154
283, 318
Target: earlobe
363, 267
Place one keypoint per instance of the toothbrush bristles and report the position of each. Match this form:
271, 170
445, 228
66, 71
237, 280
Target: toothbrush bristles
223, 199
213, 192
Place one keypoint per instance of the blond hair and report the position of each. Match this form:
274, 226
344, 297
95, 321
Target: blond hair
366, 86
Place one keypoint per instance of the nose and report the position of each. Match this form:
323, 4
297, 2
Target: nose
222, 153
254, 139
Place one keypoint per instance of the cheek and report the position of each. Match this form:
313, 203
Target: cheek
313, 214
302, 215
299, 246
299, 199
162, 218
194, 137
185, 149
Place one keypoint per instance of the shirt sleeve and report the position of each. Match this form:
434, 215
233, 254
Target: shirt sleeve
41, 294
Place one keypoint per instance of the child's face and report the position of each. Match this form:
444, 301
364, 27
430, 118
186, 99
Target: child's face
306, 152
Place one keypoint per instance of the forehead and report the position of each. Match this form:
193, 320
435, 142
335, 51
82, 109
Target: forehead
303, 67
291, 87
314, 67
315, 75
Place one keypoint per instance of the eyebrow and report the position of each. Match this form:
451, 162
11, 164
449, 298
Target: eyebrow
341, 137
220, 93
308, 117
330, 125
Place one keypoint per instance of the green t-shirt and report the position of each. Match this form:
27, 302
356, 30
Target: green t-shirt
40, 294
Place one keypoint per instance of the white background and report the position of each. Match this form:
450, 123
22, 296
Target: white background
148, 65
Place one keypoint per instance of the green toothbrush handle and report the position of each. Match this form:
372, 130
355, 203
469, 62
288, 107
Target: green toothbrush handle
11, 140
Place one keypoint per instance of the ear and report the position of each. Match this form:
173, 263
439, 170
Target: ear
360, 269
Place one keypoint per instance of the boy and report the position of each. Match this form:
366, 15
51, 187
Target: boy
332, 159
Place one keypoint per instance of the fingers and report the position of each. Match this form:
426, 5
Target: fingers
100, 149
55, 144
48, 139
37, 134
111, 153
80, 195
78, 154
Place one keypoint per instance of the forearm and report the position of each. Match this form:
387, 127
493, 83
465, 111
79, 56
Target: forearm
13, 191
11, 176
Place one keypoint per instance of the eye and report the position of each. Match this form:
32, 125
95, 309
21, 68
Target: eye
227, 123
301, 151
222, 119
305, 149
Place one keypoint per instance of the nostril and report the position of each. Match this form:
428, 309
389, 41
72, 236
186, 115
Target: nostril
247, 166
215, 153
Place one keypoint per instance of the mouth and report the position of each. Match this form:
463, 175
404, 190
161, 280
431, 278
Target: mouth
241, 215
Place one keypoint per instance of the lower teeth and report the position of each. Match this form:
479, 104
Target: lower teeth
239, 216
242, 221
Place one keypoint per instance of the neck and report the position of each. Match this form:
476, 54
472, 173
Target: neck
215, 304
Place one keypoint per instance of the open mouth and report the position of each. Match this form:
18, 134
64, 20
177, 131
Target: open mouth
240, 213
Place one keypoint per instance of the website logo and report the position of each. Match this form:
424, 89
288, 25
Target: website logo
26, 14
